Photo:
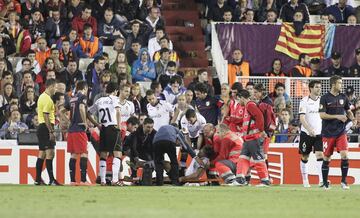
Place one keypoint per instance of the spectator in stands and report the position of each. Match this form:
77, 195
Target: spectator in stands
126, 10
5, 58
171, 70
28, 6
78, 23
109, 28
276, 69
74, 9
73, 39
350, 94
248, 16
339, 12
160, 66
120, 58
202, 77
119, 44
136, 98
3, 66
14, 126
265, 7
73, 74
93, 76
139, 32
89, 45
66, 53
55, 27
158, 110
154, 43
18, 34
28, 81
55, 55
7, 77
355, 130
32, 121
206, 104
48, 66
351, 19
18, 77
279, 91
122, 72
250, 88
59, 4
190, 100
174, 90
99, 7
6, 42
144, 9
34, 65
355, 68
154, 19
8, 6
41, 51
228, 15
271, 16
133, 54
158, 92
238, 67
283, 126
165, 43
216, 11
336, 68
28, 102
36, 25
302, 68
8, 94
315, 68
288, 10
143, 69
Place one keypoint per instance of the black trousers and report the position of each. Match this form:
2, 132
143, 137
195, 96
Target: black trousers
169, 148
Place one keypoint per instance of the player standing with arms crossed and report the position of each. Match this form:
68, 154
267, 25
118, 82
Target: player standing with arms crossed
335, 111
108, 109
310, 136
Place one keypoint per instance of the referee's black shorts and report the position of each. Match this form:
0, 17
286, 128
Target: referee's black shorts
43, 135
308, 144
110, 139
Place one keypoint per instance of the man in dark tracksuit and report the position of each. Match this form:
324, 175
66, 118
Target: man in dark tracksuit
165, 141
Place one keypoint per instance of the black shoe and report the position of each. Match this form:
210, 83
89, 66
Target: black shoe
241, 181
55, 183
264, 183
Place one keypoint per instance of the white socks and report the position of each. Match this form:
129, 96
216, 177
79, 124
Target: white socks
102, 171
319, 163
115, 169
304, 172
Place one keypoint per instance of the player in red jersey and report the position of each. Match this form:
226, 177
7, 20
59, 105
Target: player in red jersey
228, 156
253, 129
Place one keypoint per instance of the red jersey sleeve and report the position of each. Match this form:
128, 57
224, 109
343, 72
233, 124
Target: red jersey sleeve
257, 115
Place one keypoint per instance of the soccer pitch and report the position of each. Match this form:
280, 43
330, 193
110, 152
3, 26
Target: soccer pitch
168, 201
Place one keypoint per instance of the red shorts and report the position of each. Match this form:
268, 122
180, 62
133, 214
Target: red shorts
339, 142
77, 143
266, 145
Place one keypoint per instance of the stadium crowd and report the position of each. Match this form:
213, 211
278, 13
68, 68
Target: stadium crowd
52, 36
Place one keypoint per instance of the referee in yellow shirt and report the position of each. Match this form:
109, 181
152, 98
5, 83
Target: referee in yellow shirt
45, 132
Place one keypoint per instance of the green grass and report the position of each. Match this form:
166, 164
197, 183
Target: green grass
185, 202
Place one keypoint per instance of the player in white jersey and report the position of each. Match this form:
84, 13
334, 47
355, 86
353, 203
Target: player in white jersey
127, 108
108, 109
193, 124
158, 110
310, 136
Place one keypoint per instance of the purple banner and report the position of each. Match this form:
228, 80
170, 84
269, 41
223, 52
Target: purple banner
257, 43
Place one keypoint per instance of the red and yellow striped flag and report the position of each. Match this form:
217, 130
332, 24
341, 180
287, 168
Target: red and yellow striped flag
311, 41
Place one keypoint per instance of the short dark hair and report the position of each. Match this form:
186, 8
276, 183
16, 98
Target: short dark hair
25, 59
122, 76
86, 7
160, 28
81, 85
333, 80
208, 151
244, 93
87, 26
133, 121
150, 92
201, 87
112, 87
190, 113
101, 58
279, 84
165, 37
148, 120
163, 50
171, 64
250, 84
312, 83
135, 41
58, 95
236, 85
175, 79
259, 87
302, 56
50, 82
154, 85
7, 73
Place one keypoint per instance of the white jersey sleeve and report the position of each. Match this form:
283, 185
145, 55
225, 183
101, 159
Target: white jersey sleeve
94, 108
302, 106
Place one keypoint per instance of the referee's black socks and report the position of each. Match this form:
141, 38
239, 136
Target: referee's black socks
72, 168
49, 168
39, 165
325, 171
83, 168
344, 169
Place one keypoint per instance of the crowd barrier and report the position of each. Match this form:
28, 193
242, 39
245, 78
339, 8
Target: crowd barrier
17, 164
